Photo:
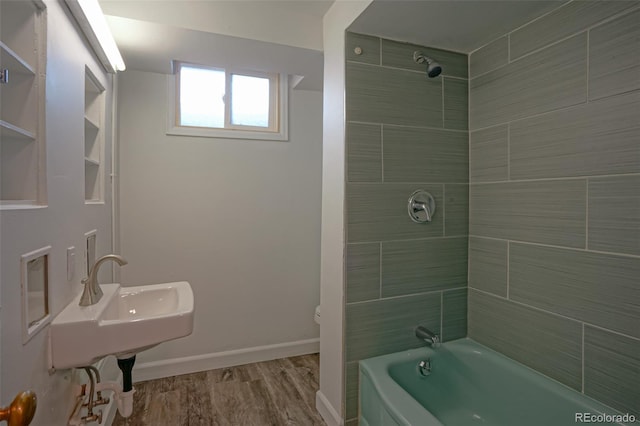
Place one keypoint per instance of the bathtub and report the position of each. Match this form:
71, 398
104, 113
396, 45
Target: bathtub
469, 384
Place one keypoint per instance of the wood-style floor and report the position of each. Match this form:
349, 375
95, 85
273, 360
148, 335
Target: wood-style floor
279, 392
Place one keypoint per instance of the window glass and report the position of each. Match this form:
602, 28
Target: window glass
250, 101
202, 97
208, 101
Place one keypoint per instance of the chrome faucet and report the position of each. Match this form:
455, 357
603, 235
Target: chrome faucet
428, 336
92, 291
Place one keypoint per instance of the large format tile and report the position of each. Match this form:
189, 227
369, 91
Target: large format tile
614, 56
488, 154
385, 95
489, 57
612, 369
567, 20
600, 137
454, 314
423, 265
370, 48
596, 288
385, 326
400, 55
488, 265
363, 272
550, 79
614, 214
549, 212
517, 332
364, 152
378, 212
456, 103
425, 155
456, 209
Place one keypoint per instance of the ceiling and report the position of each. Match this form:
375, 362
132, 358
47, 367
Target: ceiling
458, 25
286, 35
295, 23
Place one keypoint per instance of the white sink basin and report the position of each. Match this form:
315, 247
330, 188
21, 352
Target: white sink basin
125, 321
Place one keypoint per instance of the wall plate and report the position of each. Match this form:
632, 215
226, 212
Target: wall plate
34, 280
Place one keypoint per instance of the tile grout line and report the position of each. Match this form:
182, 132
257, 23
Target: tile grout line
382, 152
414, 183
582, 358
612, 331
391, 67
421, 293
525, 305
444, 210
509, 151
552, 179
535, 308
610, 253
441, 315
588, 62
603, 21
437, 237
380, 274
442, 95
553, 111
508, 274
586, 216
408, 126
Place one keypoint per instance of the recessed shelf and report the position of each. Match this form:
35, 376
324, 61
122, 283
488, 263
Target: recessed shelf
91, 162
8, 130
13, 62
20, 205
94, 99
91, 124
22, 105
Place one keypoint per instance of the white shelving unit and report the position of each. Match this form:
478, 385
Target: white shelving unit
22, 66
94, 99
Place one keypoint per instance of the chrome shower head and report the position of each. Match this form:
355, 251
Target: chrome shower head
433, 68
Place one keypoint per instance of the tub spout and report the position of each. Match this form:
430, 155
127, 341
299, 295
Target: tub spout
427, 336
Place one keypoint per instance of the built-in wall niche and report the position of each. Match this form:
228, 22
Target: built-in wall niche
35, 291
93, 138
90, 250
22, 85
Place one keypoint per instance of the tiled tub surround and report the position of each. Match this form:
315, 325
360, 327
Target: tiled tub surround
554, 198
404, 132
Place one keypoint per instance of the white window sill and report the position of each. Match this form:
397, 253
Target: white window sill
202, 132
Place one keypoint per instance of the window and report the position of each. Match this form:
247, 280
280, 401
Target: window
215, 102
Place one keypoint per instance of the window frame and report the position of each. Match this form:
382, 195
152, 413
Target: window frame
278, 107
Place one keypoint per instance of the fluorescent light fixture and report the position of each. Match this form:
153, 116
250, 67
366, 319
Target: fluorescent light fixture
89, 15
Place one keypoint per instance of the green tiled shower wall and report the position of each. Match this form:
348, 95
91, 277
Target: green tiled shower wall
547, 191
554, 198
404, 132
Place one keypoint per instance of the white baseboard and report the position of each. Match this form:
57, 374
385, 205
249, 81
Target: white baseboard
326, 410
192, 364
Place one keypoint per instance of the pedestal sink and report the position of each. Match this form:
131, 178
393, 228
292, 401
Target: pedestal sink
125, 321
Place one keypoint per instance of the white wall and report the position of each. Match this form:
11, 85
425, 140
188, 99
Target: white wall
61, 224
238, 219
329, 400
292, 23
